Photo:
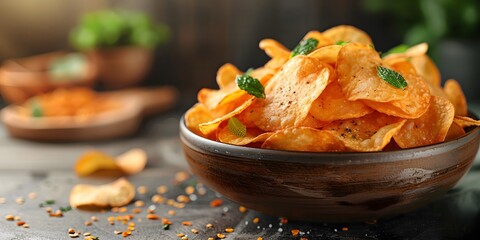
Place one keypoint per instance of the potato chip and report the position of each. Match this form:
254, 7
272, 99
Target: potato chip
466, 121
279, 53
348, 34
253, 135
195, 116
320, 37
412, 52
332, 105
417, 100
94, 161
132, 161
226, 75
312, 122
226, 81
290, 93
432, 127
328, 54
210, 127
454, 132
454, 93
426, 69
357, 74
369, 133
304, 139
116, 194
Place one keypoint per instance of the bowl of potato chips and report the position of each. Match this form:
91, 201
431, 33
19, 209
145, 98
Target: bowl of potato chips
332, 130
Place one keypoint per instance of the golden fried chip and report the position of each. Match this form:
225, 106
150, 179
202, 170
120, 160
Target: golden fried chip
210, 127
369, 133
312, 122
195, 116
417, 100
290, 93
328, 54
116, 194
253, 135
320, 37
132, 161
348, 34
332, 105
95, 161
454, 132
303, 139
226, 75
466, 121
426, 69
432, 127
412, 52
357, 74
454, 93
279, 53
226, 81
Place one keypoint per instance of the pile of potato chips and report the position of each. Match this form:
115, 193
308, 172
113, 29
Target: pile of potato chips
333, 99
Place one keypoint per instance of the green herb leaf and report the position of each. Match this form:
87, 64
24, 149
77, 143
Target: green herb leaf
305, 47
249, 71
66, 209
251, 85
341, 43
166, 226
397, 49
236, 127
36, 109
49, 202
392, 77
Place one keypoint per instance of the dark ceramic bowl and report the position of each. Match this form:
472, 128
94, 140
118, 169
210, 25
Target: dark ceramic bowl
333, 187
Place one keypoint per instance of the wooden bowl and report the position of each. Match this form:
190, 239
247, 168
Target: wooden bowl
23, 78
330, 187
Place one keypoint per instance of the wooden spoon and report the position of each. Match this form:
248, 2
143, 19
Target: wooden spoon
135, 104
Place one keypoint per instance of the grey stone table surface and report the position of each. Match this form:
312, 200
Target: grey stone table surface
46, 169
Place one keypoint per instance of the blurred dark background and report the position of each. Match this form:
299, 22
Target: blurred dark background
206, 34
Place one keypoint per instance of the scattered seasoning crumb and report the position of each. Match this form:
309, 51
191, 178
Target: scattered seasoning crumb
184, 238
20, 200
242, 209
180, 234
137, 210
74, 235
26, 226
295, 232
283, 220
142, 189
216, 203
303, 238
126, 233
229, 230
202, 191
256, 220
183, 199
210, 238
186, 223
209, 225
32, 195
87, 234
162, 189
225, 209
345, 229
71, 231
17, 218
221, 236
246, 222
260, 238
189, 190
9, 217
48, 209
122, 209
94, 219
158, 199
171, 212
117, 232
88, 223
280, 230
20, 223
195, 231
181, 176
139, 203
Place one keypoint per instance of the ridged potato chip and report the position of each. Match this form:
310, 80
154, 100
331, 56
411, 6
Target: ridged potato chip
454, 93
417, 100
454, 132
412, 52
320, 37
432, 127
357, 74
94, 161
466, 121
226, 81
116, 194
304, 139
332, 105
253, 135
366, 134
279, 53
426, 69
290, 93
348, 33
327, 54
197, 115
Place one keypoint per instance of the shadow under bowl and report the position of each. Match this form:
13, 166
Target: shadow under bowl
330, 187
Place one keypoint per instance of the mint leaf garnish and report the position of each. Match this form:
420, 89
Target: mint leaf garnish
397, 49
251, 85
236, 127
304, 47
341, 43
392, 77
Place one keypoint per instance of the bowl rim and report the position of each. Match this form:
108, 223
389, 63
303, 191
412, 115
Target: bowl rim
244, 153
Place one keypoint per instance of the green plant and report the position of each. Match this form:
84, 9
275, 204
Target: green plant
431, 20
111, 28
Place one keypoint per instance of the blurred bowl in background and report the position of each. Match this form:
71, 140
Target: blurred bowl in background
23, 78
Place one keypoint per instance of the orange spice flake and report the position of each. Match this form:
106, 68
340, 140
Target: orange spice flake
216, 203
